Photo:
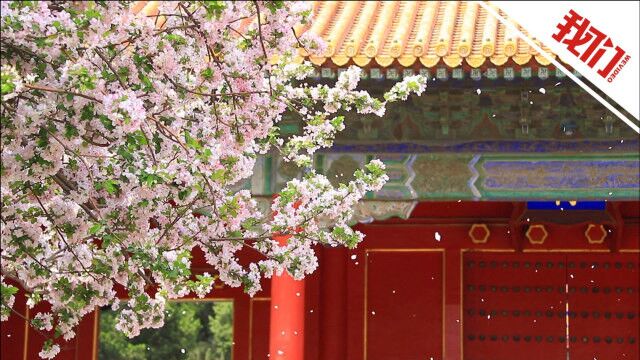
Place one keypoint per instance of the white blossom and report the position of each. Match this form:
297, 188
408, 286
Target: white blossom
124, 145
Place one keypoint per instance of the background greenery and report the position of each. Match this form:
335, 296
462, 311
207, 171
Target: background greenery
195, 330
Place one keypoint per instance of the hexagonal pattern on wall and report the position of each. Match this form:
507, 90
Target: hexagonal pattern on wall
537, 234
479, 233
595, 233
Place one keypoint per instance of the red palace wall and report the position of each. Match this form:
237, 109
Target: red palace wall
493, 286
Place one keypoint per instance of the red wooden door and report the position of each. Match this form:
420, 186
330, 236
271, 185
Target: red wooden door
551, 306
603, 306
404, 309
514, 304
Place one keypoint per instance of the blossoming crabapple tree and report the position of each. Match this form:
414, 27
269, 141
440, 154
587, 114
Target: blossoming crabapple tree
124, 135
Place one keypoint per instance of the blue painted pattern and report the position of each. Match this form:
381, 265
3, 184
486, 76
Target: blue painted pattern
566, 205
561, 174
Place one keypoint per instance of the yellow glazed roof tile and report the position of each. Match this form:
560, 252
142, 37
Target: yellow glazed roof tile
403, 32
386, 32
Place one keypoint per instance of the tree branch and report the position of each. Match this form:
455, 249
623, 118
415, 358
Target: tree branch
60, 91
264, 50
246, 93
104, 59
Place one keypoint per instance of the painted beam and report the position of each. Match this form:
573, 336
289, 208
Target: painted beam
483, 176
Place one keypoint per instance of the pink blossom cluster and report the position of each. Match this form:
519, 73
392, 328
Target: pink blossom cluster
125, 135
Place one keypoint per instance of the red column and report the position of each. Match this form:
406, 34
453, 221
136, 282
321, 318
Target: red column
286, 328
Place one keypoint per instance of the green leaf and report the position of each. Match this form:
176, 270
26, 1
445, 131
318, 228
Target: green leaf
191, 141
337, 122
182, 194
214, 8
110, 186
106, 122
273, 6
106, 240
95, 228
87, 112
70, 131
7, 88
207, 73
8, 290
218, 175
176, 40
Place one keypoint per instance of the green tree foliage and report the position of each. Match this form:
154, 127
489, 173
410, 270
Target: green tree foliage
222, 332
192, 331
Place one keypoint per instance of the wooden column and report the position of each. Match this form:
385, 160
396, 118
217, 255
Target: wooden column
286, 328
